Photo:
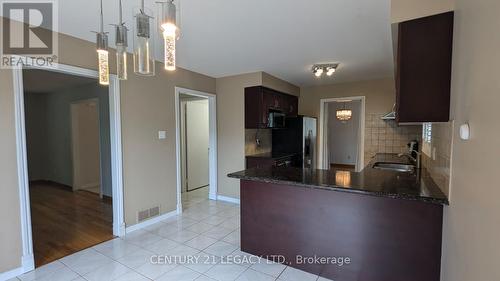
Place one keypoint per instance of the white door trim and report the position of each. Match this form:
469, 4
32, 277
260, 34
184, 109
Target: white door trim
22, 167
323, 132
212, 113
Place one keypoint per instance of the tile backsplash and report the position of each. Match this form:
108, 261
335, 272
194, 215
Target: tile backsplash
265, 136
385, 136
438, 164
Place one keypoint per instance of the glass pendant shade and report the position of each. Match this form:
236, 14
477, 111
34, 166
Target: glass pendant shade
121, 62
121, 46
169, 40
144, 63
170, 30
102, 58
102, 52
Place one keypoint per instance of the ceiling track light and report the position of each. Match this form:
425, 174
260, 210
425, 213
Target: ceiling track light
102, 52
329, 69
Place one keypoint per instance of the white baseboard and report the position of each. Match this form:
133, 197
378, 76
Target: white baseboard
212, 196
28, 262
228, 199
150, 222
11, 273
89, 185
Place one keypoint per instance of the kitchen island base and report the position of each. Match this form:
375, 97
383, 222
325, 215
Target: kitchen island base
359, 237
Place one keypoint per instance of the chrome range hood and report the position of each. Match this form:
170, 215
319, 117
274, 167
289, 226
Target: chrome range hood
391, 115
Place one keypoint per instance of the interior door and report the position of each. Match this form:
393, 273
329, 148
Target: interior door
197, 144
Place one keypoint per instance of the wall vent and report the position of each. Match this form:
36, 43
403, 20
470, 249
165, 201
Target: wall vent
153, 212
148, 213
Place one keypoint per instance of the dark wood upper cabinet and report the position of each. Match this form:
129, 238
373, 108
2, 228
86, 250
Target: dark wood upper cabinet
423, 74
259, 100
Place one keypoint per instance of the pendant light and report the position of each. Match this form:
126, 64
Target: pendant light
344, 114
121, 46
144, 63
170, 30
102, 53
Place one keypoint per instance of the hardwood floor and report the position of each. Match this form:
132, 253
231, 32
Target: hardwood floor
65, 222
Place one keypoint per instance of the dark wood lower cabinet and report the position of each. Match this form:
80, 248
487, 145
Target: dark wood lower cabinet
384, 239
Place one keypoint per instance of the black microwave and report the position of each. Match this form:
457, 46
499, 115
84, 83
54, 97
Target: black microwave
276, 120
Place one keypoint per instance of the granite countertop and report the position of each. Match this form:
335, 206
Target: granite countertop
271, 155
410, 186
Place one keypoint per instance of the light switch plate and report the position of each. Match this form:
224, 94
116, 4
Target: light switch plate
162, 135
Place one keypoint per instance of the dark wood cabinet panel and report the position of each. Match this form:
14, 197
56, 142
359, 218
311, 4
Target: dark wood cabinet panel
423, 76
386, 239
259, 162
259, 101
292, 106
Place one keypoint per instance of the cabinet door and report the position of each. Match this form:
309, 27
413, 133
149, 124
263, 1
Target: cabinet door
424, 69
285, 104
293, 104
255, 111
273, 100
259, 162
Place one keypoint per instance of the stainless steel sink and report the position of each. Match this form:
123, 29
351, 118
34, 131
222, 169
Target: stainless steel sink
394, 167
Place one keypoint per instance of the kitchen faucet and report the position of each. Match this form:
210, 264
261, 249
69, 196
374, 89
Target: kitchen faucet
417, 159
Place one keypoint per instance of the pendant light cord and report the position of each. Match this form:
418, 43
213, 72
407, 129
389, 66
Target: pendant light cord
121, 16
102, 20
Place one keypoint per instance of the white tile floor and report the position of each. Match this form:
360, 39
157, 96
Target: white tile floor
206, 229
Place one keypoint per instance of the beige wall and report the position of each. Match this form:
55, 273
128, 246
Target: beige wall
380, 136
148, 164
278, 84
402, 10
380, 95
231, 123
471, 249
10, 232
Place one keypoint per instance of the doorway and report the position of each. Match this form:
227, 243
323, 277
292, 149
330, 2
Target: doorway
196, 149
58, 215
68, 155
341, 141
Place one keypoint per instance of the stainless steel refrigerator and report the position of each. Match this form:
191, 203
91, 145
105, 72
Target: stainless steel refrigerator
298, 137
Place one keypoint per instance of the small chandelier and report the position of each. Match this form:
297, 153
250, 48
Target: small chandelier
344, 114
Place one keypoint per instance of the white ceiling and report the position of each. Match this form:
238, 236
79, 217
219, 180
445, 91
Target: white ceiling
281, 37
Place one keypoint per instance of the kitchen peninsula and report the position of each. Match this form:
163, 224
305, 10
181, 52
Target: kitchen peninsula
388, 224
